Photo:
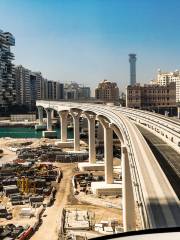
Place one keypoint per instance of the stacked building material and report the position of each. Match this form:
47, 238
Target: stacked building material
26, 212
10, 189
36, 200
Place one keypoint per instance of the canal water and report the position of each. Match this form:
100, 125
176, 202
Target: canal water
27, 132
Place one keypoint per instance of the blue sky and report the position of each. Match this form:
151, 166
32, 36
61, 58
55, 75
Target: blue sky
89, 40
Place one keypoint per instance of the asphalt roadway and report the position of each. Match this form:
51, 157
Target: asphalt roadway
167, 157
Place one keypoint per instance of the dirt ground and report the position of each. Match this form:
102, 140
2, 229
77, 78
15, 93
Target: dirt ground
52, 215
65, 199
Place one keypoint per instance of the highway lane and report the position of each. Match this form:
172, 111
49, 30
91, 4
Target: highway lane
160, 201
167, 157
166, 129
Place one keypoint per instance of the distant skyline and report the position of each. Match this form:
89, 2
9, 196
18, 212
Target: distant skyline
89, 40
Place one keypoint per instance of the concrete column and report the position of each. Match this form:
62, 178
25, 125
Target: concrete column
40, 115
166, 113
91, 132
52, 114
129, 217
84, 124
178, 112
108, 150
49, 120
100, 132
63, 124
108, 154
76, 114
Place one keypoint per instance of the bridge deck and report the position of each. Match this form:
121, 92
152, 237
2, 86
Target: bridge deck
167, 157
161, 202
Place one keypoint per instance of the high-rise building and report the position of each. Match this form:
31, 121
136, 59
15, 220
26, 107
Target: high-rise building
55, 90
28, 86
31, 86
36, 82
132, 61
23, 86
7, 80
84, 92
164, 78
75, 91
107, 91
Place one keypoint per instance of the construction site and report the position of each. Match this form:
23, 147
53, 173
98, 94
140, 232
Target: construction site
42, 185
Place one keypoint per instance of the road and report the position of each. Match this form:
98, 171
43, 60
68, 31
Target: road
167, 157
48, 229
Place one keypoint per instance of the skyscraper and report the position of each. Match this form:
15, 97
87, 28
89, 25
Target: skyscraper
132, 60
23, 87
29, 86
55, 90
7, 81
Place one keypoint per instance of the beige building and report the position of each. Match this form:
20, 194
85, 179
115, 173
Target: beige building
107, 91
164, 78
151, 95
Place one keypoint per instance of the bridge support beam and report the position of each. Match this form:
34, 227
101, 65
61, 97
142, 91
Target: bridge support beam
49, 133
40, 125
63, 124
108, 150
49, 120
91, 132
40, 115
178, 112
76, 114
129, 217
166, 113
100, 132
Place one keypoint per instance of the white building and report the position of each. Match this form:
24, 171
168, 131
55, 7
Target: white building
75, 91
164, 78
23, 87
31, 86
28, 86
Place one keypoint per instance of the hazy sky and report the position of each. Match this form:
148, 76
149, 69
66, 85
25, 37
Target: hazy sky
89, 40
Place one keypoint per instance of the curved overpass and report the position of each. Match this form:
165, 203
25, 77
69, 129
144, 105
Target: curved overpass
164, 127
154, 197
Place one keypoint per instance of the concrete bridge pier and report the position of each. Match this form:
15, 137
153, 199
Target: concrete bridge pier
129, 216
91, 132
178, 112
108, 150
49, 133
63, 125
49, 120
100, 133
52, 114
166, 113
40, 115
76, 115
92, 165
108, 153
41, 125
108, 187
64, 142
